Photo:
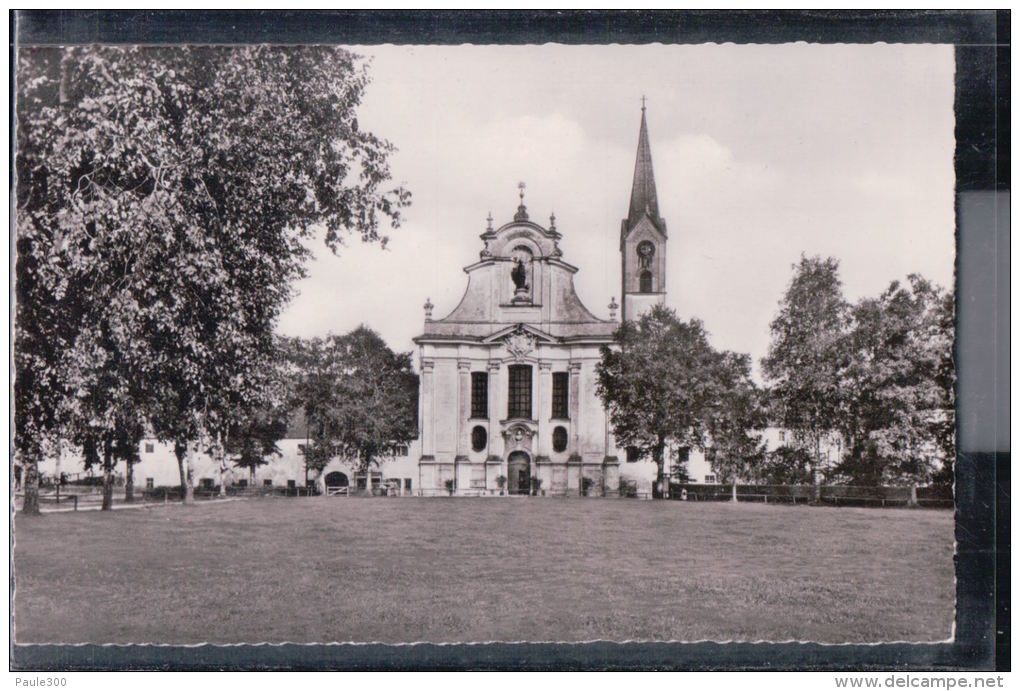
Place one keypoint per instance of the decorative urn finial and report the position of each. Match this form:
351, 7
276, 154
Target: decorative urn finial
488, 222
522, 211
612, 308
552, 221
428, 309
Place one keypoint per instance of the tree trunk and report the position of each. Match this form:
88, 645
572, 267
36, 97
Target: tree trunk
129, 482
189, 475
734, 490
107, 477
913, 495
658, 452
221, 461
30, 482
816, 475
180, 450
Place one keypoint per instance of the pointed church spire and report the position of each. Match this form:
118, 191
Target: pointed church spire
643, 198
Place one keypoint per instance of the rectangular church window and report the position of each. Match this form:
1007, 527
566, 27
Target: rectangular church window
560, 397
479, 395
519, 403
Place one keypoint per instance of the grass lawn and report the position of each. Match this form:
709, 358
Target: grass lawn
395, 570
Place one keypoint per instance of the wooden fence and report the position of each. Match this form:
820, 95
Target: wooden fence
834, 495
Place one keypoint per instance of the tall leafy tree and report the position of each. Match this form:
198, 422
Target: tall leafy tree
254, 439
944, 423
805, 357
736, 419
360, 398
248, 439
658, 385
165, 196
896, 402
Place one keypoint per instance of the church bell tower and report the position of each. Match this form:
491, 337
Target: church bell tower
643, 237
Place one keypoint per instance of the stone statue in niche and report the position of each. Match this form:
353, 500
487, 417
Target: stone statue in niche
519, 274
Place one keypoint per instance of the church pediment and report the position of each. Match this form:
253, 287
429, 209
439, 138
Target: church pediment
503, 242
520, 337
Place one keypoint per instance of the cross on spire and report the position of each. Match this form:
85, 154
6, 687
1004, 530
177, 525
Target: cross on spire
521, 186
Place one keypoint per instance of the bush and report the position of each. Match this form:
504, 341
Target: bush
172, 492
586, 484
449, 486
536, 485
628, 488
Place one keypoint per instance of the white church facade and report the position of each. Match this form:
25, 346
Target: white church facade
508, 378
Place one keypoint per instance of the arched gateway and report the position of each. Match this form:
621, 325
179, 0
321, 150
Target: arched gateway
518, 473
336, 479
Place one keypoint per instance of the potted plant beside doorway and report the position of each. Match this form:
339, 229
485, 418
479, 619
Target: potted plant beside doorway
501, 483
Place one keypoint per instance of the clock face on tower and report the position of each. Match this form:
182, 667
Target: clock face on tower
645, 252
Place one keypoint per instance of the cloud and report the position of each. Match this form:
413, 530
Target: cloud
760, 153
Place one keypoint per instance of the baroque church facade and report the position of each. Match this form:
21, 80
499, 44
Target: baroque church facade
508, 395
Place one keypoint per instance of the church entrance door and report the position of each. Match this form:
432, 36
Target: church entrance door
518, 469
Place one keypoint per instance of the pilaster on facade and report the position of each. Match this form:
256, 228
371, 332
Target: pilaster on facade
574, 404
544, 407
463, 406
459, 463
611, 476
495, 447
428, 407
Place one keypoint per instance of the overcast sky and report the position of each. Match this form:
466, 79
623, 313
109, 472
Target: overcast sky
760, 153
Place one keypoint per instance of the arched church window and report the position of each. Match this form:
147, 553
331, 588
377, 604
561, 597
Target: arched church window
646, 282
559, 439
479, 437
